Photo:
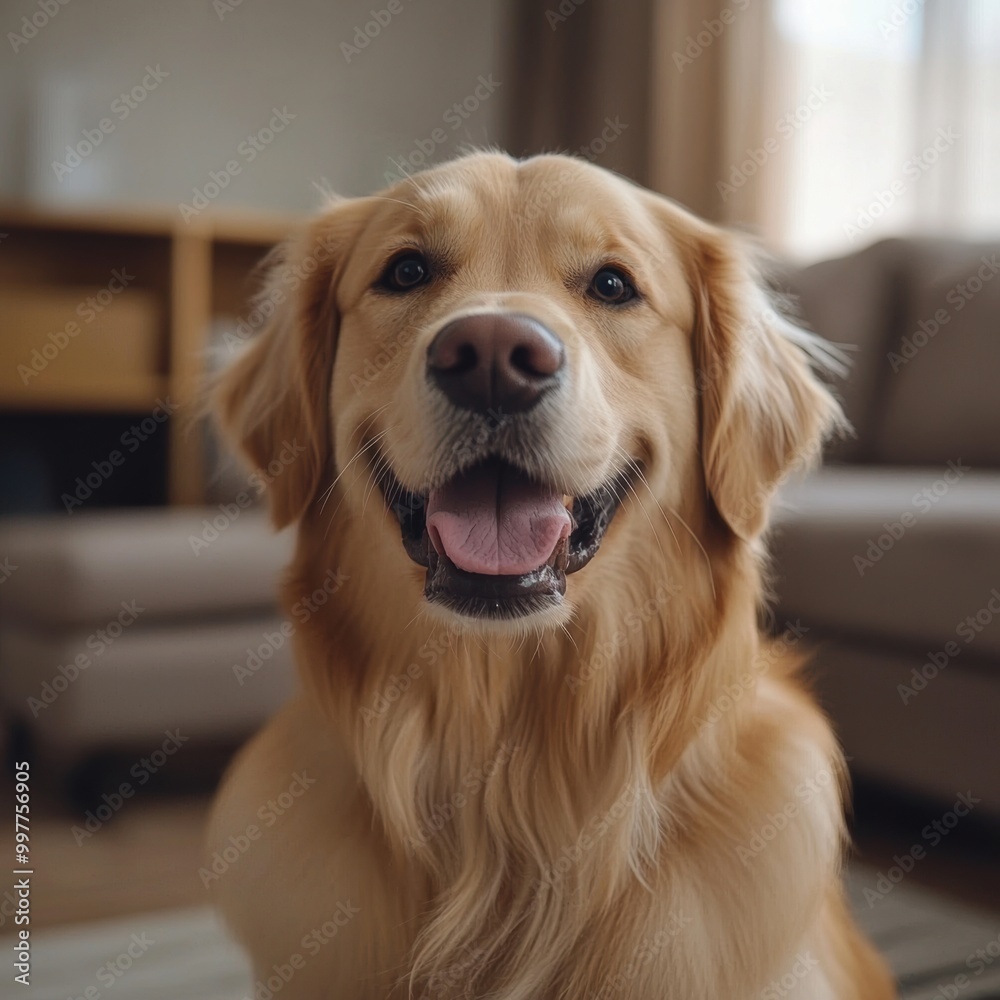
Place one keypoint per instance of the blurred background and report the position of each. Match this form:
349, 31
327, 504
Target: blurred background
153, 153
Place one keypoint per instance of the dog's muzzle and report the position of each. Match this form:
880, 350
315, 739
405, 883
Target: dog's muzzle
498, 540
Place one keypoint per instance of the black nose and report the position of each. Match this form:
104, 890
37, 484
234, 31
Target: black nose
503, 362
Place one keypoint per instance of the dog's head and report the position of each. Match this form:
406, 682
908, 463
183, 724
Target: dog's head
505, 373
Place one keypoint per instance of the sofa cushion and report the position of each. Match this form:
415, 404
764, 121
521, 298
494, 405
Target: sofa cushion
907, 555
892, 711
939, 397
66, 570
853, 302
211, 680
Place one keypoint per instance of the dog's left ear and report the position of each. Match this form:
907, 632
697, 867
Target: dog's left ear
272, 402
763, 410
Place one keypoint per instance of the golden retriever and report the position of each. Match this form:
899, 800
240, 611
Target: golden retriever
542, 749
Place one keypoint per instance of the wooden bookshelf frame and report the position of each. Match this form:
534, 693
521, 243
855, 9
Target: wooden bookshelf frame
191, 266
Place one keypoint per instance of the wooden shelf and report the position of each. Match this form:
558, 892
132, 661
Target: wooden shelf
195, 271
133, 395
220, 224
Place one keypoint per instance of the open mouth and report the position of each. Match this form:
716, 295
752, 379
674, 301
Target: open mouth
497, 543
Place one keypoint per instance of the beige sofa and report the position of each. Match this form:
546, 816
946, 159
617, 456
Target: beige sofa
118, 627
890, 555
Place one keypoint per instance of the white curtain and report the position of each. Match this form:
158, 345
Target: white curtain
907, 138
821, 126
712, 80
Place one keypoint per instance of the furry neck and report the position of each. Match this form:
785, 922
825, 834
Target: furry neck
516, 772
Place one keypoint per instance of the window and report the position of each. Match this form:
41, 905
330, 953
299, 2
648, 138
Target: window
907, 137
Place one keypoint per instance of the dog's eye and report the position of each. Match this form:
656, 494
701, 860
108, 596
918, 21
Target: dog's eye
406, 271
611, 286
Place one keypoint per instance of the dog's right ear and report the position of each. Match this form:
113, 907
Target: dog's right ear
764, 411
272, 402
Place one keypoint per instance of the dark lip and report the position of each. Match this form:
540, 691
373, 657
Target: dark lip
503, 597
492, 597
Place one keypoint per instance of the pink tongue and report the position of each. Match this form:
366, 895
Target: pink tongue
494, 520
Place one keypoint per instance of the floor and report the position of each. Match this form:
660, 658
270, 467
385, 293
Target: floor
147, 858
964, 865
148, 855
935, 947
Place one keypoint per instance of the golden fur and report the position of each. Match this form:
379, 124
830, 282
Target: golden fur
581, 805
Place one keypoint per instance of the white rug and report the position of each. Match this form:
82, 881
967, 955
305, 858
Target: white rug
939, 949
175, 955
931, 942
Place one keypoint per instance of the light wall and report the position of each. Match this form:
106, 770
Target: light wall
229, 64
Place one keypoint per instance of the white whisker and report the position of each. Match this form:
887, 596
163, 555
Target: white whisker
697, 541
638, 471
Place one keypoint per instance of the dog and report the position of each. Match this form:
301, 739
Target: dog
542, 748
